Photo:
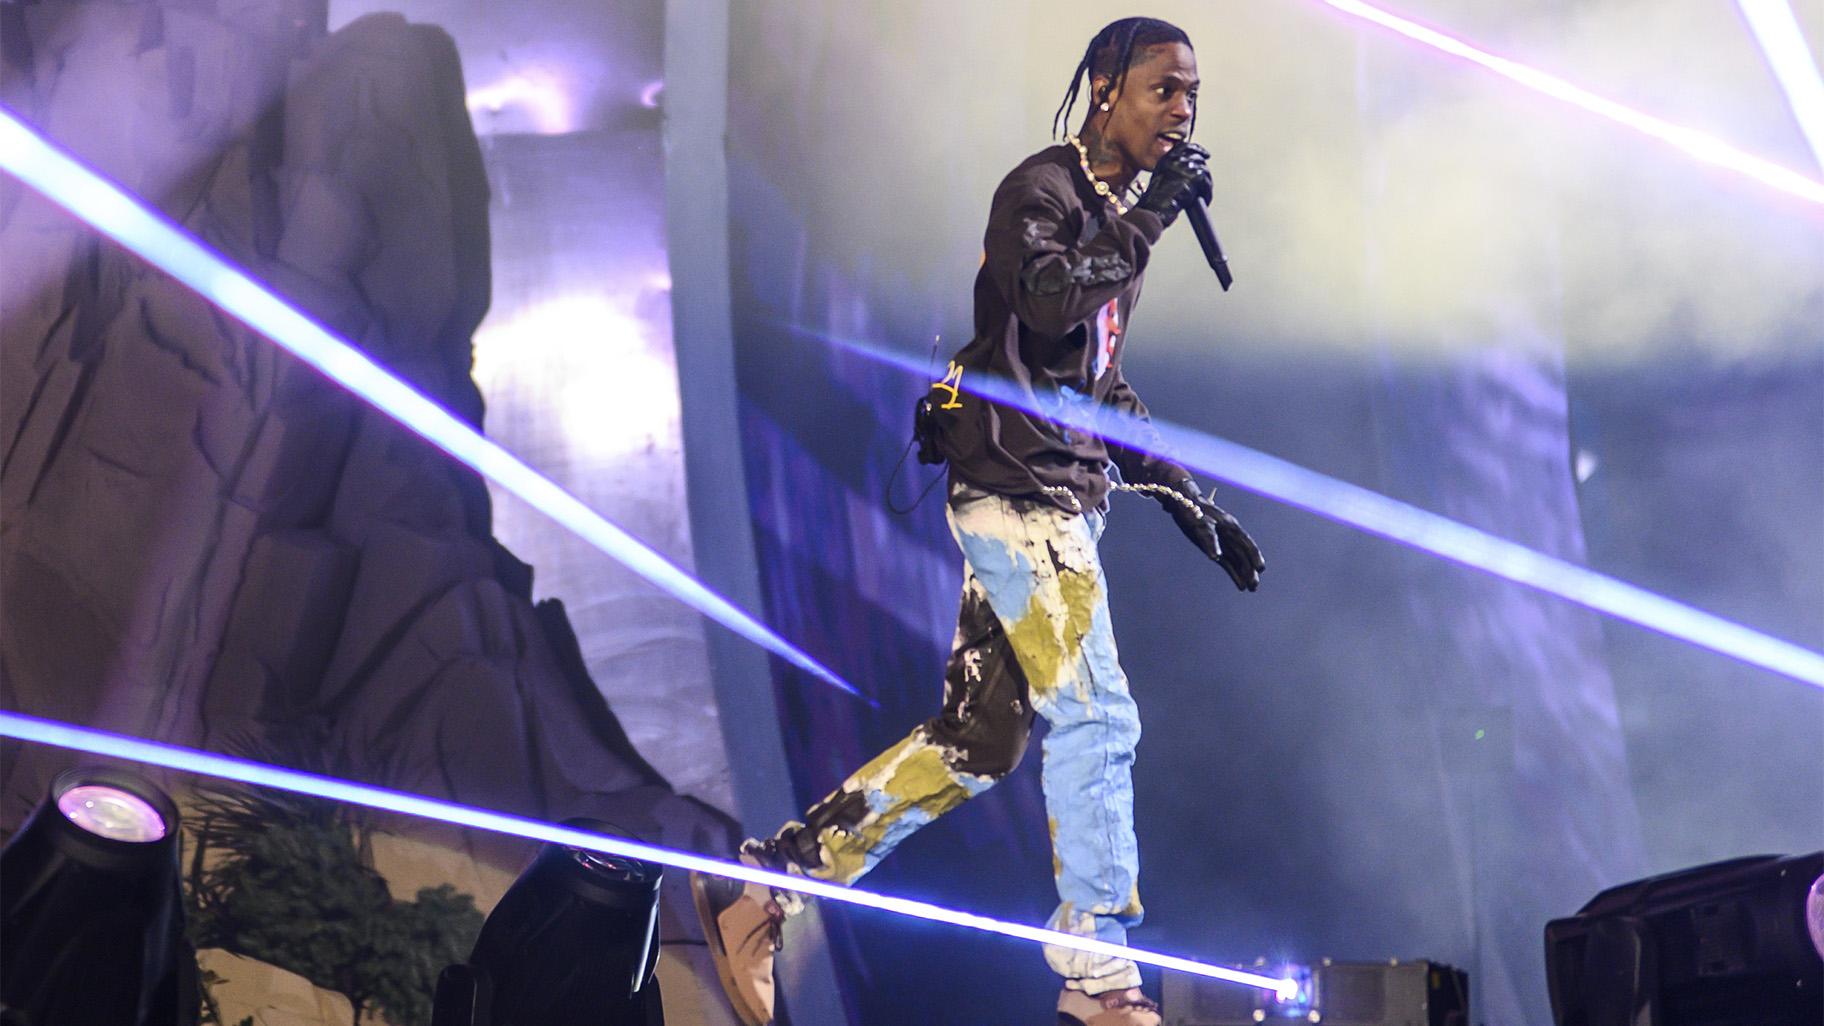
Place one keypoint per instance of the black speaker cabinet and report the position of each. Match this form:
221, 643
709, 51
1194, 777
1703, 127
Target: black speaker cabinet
1342, 994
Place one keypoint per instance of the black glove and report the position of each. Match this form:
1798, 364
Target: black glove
1215, 532
1178, 176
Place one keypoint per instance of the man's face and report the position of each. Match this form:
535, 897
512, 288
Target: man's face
1152, 111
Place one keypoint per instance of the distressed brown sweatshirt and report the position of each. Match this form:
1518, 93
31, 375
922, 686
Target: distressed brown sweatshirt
1060, 274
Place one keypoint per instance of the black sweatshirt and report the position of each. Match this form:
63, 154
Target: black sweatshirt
1060, 275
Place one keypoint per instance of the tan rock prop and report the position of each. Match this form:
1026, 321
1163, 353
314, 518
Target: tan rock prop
272, 996
409, 863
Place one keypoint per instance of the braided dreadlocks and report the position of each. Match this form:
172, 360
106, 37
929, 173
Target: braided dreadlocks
1110, 54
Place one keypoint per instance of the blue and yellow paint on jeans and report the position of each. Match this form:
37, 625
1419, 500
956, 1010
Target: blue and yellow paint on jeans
1033, 638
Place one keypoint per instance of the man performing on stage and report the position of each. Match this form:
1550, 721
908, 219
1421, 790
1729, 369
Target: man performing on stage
1065, 255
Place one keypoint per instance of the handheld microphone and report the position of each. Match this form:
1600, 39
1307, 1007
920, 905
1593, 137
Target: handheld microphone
1199, 216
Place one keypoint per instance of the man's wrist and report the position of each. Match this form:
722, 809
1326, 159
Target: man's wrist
1179, 478
1150, 224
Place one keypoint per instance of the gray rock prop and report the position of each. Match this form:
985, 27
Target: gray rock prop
202, 540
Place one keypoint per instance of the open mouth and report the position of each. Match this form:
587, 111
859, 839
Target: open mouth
1171, 139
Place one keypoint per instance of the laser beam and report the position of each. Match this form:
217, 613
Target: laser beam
1370, 511
1777, 31
123, 217
1700, 145
222, 767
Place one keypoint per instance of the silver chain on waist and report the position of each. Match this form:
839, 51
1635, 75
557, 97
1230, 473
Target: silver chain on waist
1155, 490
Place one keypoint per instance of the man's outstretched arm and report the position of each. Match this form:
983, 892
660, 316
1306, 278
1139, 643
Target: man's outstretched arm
1209, 527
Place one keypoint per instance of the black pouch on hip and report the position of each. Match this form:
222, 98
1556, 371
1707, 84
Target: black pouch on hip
924, 431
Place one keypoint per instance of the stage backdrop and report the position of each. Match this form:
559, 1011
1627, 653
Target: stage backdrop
574, 359
206, 543
1470, 301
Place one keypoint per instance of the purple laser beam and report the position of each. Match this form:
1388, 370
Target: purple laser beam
1776, 29
1700, 145
123, 217
1374, 513
209, 764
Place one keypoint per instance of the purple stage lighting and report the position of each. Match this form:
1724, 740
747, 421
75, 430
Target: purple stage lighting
1814, 914
542, 94
1704, 147
1777, 30
189, 760
90, 906
121, 216
1420, 529
112, 813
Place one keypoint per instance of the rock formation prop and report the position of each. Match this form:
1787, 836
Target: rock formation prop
203, 539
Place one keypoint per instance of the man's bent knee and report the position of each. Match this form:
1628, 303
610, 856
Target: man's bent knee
983, 745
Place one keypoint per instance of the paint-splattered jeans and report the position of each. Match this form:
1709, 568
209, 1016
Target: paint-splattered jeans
1033, 636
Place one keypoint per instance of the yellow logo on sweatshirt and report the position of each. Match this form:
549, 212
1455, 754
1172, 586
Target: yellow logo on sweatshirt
952, 383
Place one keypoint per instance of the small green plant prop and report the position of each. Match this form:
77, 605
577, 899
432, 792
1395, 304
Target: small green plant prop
288, 884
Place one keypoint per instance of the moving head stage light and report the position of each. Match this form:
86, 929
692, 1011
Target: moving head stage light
91, 911
573, 943
1719, 945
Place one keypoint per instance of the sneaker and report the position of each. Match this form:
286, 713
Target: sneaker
742, 924
1115, 1008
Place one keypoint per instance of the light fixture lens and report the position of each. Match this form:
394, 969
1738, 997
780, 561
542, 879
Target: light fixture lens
614, 867
112, 813
1814, 915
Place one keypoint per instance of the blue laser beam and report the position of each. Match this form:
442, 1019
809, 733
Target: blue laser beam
222, 767
117, 214
1370, 511
1781, 39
